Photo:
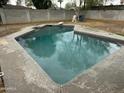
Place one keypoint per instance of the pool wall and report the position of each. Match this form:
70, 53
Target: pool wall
93, 32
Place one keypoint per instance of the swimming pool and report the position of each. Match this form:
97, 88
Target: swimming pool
64, 54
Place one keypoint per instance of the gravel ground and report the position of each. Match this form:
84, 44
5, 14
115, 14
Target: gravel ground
111, 26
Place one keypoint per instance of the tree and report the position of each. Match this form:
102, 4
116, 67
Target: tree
69, 6
19, 2
42, 4
89, 3
3, 2
29, 3
54, 6
60, 1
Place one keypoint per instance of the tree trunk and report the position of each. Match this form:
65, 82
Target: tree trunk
60, 5
84, 4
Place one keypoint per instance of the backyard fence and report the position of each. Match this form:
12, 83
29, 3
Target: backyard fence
13, 16
0, 20
116, 15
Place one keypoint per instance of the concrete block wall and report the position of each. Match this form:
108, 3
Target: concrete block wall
38, 15
13, 16
2, 15
117, 15
69, 14
56, 15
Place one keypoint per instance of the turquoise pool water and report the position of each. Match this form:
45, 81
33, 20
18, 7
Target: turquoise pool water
63, 54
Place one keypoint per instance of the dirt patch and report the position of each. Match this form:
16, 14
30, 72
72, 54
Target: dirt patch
8, 29
11, 28
110, 26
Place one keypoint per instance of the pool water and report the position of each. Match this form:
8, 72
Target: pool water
62, 53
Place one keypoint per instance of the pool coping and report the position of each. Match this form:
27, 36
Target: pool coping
78, 29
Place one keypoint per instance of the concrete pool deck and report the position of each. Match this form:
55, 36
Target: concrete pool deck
23, 74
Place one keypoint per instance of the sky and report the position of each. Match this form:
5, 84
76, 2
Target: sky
114, 2
63, 4
13, 2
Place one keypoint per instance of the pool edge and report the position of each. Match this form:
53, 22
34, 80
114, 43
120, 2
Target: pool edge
28, 29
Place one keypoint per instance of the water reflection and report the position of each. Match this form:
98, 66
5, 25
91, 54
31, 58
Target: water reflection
43, 43
82, 49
